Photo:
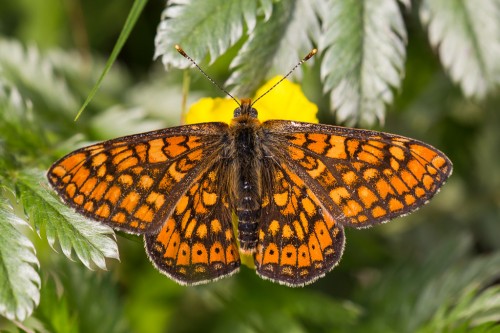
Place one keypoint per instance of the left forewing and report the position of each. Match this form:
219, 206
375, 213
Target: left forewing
133, 183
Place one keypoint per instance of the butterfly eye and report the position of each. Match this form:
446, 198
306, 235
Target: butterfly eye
237, 112
245, 111
253, 113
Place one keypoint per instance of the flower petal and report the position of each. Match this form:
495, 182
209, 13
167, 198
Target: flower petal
211, 109
286, 102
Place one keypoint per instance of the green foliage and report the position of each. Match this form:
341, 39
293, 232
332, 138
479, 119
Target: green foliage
74, 299
434, 271
19, 281
475, 309
54, 308
364, 53
20, 134
25, 188
294, 27
134, 14
443, 291
187, 24
35, 77
362, 44
90, 241
466, 34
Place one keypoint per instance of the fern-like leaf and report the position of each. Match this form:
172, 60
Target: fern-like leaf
467, 35
90, 241
21, 133
363, 45
202, 27
454, 287
420, 296
472, 309
277, 44
483, 307
19, 280
35, 77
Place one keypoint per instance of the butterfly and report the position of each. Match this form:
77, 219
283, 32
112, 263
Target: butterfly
293, 186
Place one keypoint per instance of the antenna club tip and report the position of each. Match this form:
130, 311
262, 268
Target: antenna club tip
180, 50
311, 54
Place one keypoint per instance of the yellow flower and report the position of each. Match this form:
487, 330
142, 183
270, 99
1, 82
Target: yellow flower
211, 109
286, 101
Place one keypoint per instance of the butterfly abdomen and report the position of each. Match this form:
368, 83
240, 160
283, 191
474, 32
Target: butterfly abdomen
247, 186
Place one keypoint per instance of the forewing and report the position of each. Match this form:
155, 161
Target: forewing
362, 177
134, 182
298, 241
197, 244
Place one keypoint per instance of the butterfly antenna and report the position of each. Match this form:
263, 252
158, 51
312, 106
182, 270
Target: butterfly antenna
307, 57
184, 54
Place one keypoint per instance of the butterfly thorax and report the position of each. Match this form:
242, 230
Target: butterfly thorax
247, 134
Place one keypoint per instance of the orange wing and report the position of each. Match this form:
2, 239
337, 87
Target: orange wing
361, 177
134, 183
299, 241
196, 244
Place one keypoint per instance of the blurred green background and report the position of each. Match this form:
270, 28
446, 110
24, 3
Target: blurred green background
435, 270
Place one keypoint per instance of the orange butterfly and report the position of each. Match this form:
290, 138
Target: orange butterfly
294, 186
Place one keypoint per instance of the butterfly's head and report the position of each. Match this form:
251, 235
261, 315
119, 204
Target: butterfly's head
245, 109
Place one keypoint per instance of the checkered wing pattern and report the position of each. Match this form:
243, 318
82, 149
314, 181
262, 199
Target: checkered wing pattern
133, 183
320, 178
197, 244
362, 177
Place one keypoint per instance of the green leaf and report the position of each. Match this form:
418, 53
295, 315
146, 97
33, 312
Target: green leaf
276, 45
467, 36
203, 27
74, 299
96, 298
134, 14
266, 8
455, 299
363, 45
35, 78
483, 308
54, 310
471, 274
411, 293
256, 56
92, 242
19, 281
21, 134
